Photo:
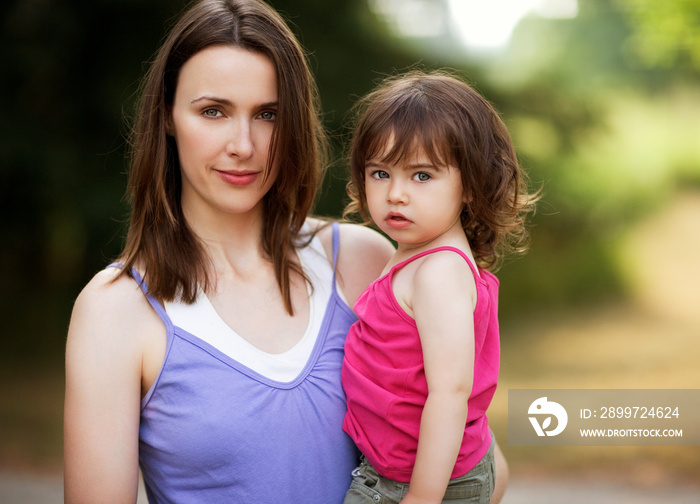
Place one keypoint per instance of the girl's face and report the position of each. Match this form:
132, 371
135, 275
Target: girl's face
414, 201
222, 119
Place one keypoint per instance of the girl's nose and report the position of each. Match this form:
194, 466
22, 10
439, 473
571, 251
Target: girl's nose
397, 192
240, 143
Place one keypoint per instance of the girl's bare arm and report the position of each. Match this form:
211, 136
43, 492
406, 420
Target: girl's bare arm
442, 300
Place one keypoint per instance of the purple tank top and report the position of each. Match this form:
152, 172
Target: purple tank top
213, 430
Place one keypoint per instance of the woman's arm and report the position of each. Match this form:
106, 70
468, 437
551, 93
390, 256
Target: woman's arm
442, 298
104, 356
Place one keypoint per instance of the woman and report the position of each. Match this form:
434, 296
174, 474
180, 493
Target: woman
210, 354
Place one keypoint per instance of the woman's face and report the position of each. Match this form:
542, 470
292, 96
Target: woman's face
222, 120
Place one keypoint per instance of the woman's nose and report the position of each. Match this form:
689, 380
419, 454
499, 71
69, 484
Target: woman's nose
240, 143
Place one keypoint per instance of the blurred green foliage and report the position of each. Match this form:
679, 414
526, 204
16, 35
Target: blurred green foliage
664, 33
602, 109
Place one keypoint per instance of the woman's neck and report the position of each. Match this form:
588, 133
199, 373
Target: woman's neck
232, 240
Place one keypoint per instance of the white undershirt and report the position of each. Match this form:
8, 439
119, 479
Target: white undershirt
202, 320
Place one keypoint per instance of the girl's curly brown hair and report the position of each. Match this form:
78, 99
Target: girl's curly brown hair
455, 126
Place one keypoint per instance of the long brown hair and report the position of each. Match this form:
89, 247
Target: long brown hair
455, 126
159, 239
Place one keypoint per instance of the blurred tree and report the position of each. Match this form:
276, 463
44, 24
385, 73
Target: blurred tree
71, 69
665, 34
608, 137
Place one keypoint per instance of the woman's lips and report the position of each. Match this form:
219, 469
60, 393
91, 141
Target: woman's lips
241, 178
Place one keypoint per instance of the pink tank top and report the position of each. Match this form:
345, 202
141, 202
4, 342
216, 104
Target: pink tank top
384, 378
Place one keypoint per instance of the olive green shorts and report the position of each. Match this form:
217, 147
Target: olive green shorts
475, 487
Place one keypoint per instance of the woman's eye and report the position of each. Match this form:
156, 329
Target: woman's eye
422, 177
268, 115
211, 112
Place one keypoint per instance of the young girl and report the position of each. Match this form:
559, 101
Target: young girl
434, 168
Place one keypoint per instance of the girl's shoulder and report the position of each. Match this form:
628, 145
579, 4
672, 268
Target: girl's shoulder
443, 262
444, 265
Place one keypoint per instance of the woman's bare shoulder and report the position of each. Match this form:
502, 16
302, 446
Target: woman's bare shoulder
110, 305
362, 255
110, 291
353, 237
365, 241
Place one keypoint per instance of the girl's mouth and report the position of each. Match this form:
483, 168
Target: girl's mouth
397, 221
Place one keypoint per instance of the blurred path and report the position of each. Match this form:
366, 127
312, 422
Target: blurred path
24, 489
579, 492
569, 492
20, 488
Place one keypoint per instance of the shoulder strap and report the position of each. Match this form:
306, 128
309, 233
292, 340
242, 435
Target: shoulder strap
144, 288
475, 271
336, 243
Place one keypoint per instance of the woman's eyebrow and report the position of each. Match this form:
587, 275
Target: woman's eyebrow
228, 103
222, 101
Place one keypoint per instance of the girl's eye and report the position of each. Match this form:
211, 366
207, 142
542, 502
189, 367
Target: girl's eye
211, 112
380, 174
422, 177
268, 115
